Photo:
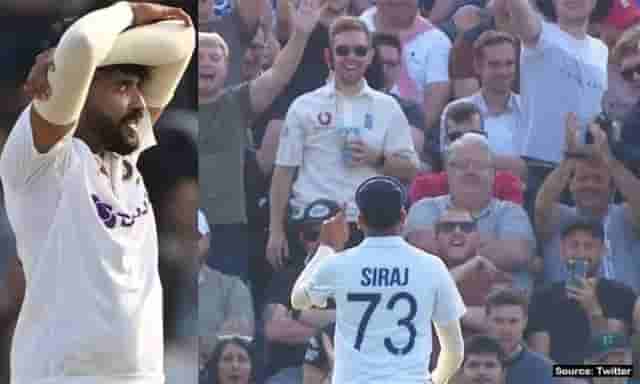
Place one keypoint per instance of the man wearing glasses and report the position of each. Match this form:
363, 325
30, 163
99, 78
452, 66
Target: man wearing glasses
336, 137
505, 234
461, 118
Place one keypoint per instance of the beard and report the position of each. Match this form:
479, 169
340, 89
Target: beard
118, 137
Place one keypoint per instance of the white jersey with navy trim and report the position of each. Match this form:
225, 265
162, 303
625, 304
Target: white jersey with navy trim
86, 237
387, 294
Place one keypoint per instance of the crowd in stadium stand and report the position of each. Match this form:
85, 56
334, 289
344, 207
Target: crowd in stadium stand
512, 123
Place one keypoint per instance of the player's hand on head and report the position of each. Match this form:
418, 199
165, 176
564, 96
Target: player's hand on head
149, 13
37, 85
335, 231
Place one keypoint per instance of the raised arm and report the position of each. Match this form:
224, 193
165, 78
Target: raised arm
545, 215
520, 18
83, 48
167, 48
265, 88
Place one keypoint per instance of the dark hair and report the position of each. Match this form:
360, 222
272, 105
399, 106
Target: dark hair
375, 73
600, 11
490, 38
461, 112
381, 38
593, 227
212, 364
507, 296
483, 344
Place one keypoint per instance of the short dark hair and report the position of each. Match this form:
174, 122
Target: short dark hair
593, 227
483, 344
381, 38
490, 38
507, 296
461, 112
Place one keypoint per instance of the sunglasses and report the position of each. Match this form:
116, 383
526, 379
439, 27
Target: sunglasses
358, 50
453, 136
462, 226
246, 339
630, 74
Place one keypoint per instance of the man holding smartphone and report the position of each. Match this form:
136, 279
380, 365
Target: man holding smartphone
564, 315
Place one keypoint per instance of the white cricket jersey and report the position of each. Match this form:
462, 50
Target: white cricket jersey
86, 237
387, 293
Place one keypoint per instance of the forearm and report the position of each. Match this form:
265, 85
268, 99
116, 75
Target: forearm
400, 166
474, 319
435, 99
279, 198
451, 353
525, 22
629, 186
166, 47
507, 255
300, 299
288, 60
288, 331
269, 85
550, 192
317, 318
81, 50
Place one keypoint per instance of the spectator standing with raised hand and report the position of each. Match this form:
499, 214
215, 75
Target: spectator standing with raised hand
87, 238
225, 115
592, 182
562, 70
424, 74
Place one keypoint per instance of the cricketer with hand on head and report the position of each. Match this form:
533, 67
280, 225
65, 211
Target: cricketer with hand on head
86, 235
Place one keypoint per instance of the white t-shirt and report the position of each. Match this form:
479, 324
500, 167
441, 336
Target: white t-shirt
561, 74
425, 58
387, 294
313, 139
503, 130
92, 312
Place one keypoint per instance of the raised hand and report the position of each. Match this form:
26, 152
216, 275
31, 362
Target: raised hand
149, 13
335, 231
306, 17
37, 85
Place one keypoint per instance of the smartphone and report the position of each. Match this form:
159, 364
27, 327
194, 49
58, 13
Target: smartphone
577, 269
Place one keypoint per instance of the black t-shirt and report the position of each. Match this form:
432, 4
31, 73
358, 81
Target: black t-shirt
279, 292
312, 73
567, 323
316, 354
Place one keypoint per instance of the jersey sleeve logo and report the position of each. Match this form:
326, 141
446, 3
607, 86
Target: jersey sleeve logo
112, 219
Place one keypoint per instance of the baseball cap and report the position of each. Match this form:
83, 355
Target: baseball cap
623, 14
380, 199
604, 343
319, 211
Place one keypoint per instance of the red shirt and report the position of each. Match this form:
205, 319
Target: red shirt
506, 186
